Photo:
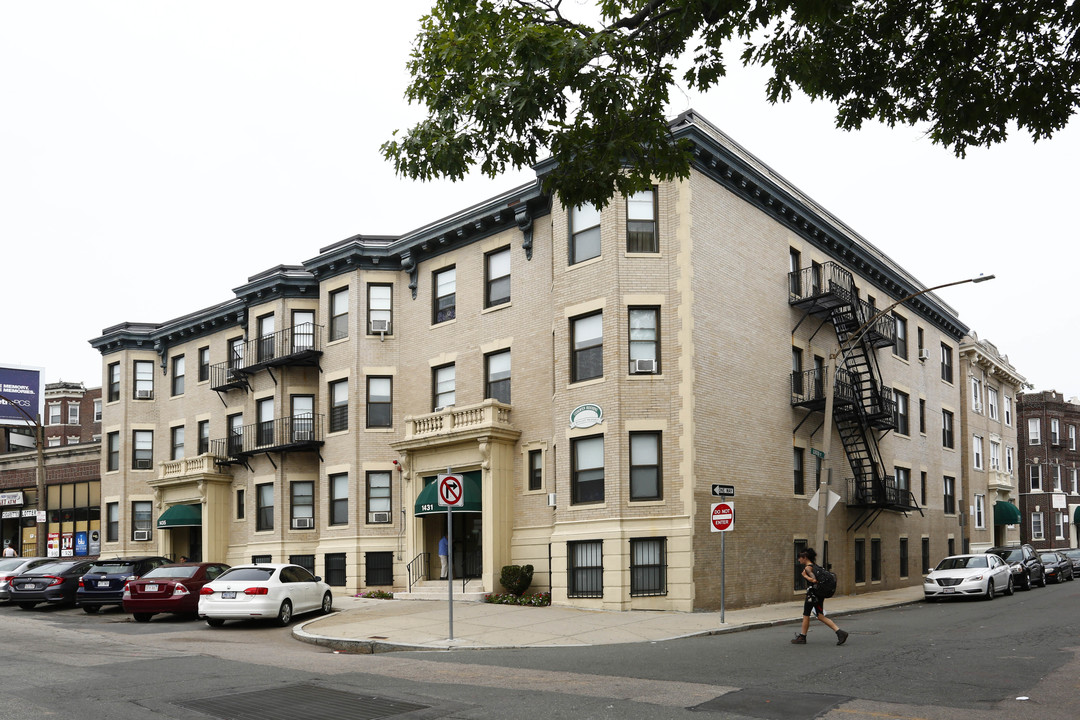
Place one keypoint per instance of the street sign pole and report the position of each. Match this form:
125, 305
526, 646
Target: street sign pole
450, 560
722, 537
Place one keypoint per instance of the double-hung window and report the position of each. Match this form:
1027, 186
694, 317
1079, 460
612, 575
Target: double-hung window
497, 370
641, 230
202, 429
1072, 437
378, 497
976, 395
587, 346
1038, 531
144, 380
444, 305
380, 308
302, 505
497, 277
204, 364
339, 405
1055, 431
73, 413
587, 471
444, 383
992, 402
1008, 411
264, 507
995, 455
799, 480
303, 331
114, 382
977, 451
584, 233
142, 456
903, 414
946, 363
980, 511
112, 522
112, 443
176, 443
1035, 477
536, 469
266, 328
142, 516
900, 346
947, 429
339, 499
644, 340
178, 373
1034, 431
646, 477
379, 402
949, 487
339, 314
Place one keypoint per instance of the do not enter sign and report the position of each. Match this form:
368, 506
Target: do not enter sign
723, 516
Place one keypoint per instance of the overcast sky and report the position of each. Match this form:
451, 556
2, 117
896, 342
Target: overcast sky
154, 155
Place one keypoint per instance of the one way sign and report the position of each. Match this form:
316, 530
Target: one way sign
723, 490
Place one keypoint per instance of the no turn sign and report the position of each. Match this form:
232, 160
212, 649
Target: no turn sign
723, 516
451, 491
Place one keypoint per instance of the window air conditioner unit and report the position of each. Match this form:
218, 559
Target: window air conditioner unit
303, 435
144, 394
303, 523
977, 407
380, 326
551, 499
924, 355
143, 464
642, 367
379, 517
141, 535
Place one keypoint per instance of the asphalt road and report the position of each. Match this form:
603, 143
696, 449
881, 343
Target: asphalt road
948, 661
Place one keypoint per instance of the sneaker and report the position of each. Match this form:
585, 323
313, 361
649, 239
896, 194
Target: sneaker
799, 640
841, 637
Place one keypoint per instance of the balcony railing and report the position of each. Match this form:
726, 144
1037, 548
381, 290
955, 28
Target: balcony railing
808, 388
297, 345
882, 332
284, 434
867, 493
490, 414
881, 408
820, 287
198, 465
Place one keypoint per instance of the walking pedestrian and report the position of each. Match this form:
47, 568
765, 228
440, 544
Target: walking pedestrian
813, 603
442, 557
9, 551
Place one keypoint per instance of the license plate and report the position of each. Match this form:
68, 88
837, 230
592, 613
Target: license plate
228, 594
949, 591
31, 586
151, 588
103, 583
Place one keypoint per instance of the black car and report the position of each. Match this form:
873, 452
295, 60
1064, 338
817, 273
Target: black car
53, 582
1058, 567
1074, 555
103, 583
1027, 569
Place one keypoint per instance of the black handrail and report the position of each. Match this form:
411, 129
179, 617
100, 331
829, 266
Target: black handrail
297, 431
417, 569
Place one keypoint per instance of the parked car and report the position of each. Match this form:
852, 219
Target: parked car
1027, 570
52, 582
104, 582
1058, 567
1074, 556
275, 591
169, 589
978, 575
10, 567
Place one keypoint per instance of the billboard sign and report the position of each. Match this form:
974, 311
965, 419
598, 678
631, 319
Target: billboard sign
21, 390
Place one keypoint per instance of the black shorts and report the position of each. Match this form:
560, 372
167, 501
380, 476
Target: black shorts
812, 603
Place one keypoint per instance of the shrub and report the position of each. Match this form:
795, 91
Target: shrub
534, 600
376, 594
516, 578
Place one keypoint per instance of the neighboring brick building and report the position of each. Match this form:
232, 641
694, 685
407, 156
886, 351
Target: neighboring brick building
1050, 462
72, 414
590, 374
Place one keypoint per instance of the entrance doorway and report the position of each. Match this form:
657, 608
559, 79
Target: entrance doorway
467, 553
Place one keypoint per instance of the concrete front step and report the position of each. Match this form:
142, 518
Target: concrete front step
436, 590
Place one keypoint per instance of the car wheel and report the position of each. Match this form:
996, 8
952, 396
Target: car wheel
284, 613
1009, 590
989, 590
327, 604
28, 605
1042, 580
215, 622
90, 609
1060, 577
1027, 581
143, 617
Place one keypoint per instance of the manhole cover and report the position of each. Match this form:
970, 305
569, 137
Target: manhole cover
772, 704
300, 701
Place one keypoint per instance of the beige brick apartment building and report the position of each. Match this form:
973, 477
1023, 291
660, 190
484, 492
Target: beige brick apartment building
591, 373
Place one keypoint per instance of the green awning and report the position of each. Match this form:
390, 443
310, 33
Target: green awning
1005, 513
428, 501
180, 516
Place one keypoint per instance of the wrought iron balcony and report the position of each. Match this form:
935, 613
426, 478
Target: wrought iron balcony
882, 332
884, 495
285, 434
297, 345
881, 408
820, 288
808, 388
227, 376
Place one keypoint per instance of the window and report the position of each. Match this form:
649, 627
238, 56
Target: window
922, 416
112, 444
903, 557
264, 421
977, 451
497, 371
444, 382
1055, 432
992, 402
903, 421
380, 308
1055, 473
54, 414
1034, 431
378, 496
646, 481
204, 364
73, 413
303, 331
995, 455
339, 499
946, 363
178, 375
1037, 531
641, 232
114, 382
339, 406
816, 277
266, 330
305, 561
444, 306
645, 339
794, 274
976, 395
97, 410
1059, 525
900, 347
648, 567
800, 581
379, 402
925, 555
947, 429
339, 314
919, 335
584, 233
536, 469
587, 346
1009, 459
860, 561
1072, 437
903, 480
949, 485
334, 564
1035, 477
303, 418
587, 473
585, 569
302, 504
202, 429
261, 559
875, 560
497, 277
236, 354
952, 546
1008, 411
142, 515
236, 434
112, 522
142, 456
176, 443
240, 504
1073, 486
922, 488
796, 371
264, 507
980, 512
799, 481
144, 380
380, 568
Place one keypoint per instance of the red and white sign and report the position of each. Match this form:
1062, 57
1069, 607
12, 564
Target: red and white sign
723, 516
451, 491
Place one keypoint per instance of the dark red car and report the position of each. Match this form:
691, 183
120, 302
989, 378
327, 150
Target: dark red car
169, 589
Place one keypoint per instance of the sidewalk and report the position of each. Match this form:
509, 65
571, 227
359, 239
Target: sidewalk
362, 625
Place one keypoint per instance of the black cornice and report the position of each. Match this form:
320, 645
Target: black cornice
159, 337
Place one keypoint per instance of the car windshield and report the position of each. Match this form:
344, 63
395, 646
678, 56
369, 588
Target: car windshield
955, 563
1074, 554
1049, 557
112, 567
1013, 555
184, 571
10, 564
247, 573
54, 568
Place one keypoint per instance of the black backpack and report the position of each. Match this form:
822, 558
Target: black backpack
825, 587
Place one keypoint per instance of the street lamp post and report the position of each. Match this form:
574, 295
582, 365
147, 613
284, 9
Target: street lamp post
39, 442
835, 359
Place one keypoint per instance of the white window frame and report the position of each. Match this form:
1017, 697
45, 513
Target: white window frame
995, 455
73, 413
1008, 411
1010, 459
1072, 437
1074, 484
97, 410
1034, 431
992, 402
976, 395
55, 415
1035, 473
977, 451
1059, 525
1037, 528
585, 235
980, 512
1055, 431
1056, 476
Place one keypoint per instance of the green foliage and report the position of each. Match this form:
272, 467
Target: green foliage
508, 81
533, 600
377, 594
516, 578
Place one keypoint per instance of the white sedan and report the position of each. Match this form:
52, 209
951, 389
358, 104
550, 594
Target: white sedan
247, 592
968, 575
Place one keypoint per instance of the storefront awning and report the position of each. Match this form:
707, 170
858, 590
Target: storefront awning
180, 516
1005, 513
428, 501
